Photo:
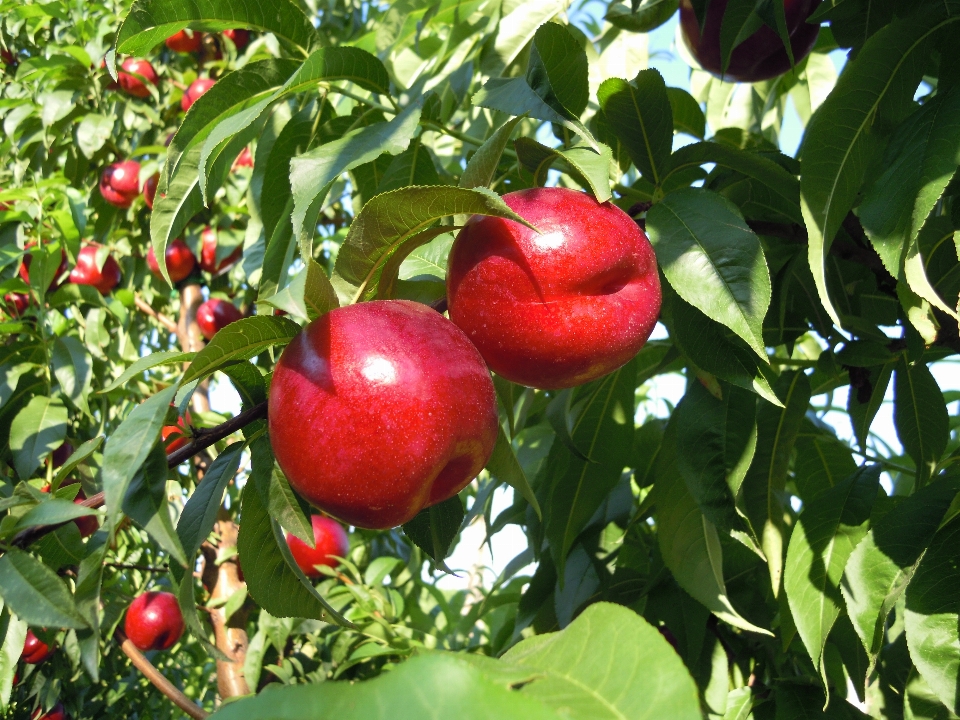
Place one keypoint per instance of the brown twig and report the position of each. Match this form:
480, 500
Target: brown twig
156, 677
204, 438
145, 308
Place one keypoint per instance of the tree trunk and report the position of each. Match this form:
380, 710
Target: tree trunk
222, 581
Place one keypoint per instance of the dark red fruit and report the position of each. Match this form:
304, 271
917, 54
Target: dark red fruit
330, 539
86, 272
88, 524
62, 454
239, 37
176, 436
380, 409
16, 303
9, 58
762, 55
185, 41
120, 183
24, 270
216, 314
154, 621
561, 307
133, 85
208, 253
244, 159
197, 88
56, 713
180, 260
35, 650
150, 189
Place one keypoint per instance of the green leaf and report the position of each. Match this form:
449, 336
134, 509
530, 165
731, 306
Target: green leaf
282, 503
93, 132
840, 140
777, 429
272, 577
883, 564
13, 639
688, 541
583, 675
713, 260
714, 349
390, 225
826, 533
164, 357
920, 416
822, 461
932, 616
128, 447
245, 92
863, 411
35, 594
73, 368
784, 187
191, 618
585, 165
482, 167
922, 156
308, 296
340, 63
504, 466
79, 455
312, 173
434, 684
642, 119
514, 96
414, 166
200, 512
433, 529
87, 599
37, 430
146, 503
150, 22
650, 15
52, 512
739, 21
240, 340
603, 430
515, 31
557, 70
716, 440
739, 704
687, 116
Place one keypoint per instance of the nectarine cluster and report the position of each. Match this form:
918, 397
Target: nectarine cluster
381, 409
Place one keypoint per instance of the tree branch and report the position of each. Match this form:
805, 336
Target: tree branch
203, 438
143, 307
156, 677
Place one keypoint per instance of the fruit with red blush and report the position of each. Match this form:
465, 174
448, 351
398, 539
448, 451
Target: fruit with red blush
380, 409
120, 183
214, 315
197, 88
86, 272
55, 713
35, 650
16, 303
185, 41
154, 621
244, 160
762, 55
180, 260
133, 85
560, 307
208, 253
331, 541
239, 37
176, 436
150, 189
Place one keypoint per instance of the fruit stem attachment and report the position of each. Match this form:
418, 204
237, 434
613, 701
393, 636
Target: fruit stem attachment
156, 677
